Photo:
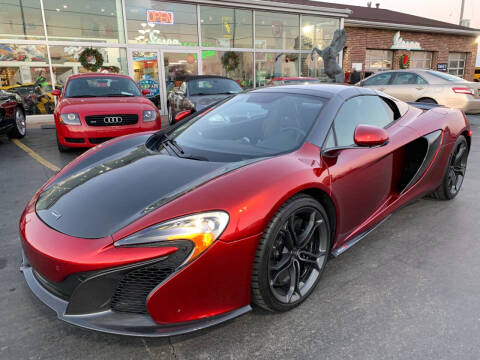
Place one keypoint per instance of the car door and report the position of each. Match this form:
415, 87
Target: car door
362, 178
378, 81
406, 86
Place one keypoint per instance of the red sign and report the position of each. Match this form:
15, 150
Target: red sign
160, 17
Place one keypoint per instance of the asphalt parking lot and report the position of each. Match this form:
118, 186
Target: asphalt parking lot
410, 290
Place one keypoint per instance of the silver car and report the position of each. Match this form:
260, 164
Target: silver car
418, 85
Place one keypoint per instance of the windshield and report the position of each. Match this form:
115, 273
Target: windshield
250, 126
99, 86
301, 82
445, 76
213, 86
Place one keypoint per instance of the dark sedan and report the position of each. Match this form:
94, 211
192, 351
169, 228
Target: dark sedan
198, 92
12, 115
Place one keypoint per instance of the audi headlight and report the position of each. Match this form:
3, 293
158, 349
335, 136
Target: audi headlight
149, 115
70, 119
201, 229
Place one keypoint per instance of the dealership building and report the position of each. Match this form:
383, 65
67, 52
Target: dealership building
160, 42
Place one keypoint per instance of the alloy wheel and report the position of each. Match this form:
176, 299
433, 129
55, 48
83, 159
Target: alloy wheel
20, 122
298, 255
457, 168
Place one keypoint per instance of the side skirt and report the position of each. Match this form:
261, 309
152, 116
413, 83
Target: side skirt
357, 238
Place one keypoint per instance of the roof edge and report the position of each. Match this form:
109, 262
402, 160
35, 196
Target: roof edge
382, 25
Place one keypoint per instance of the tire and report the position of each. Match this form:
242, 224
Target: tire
20, 127
62, 148
171, 116
283, 275
427, 100
455, 172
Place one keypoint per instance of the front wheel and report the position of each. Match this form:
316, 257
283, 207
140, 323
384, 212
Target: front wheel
62, 148
455, 173
291, 255
20, 128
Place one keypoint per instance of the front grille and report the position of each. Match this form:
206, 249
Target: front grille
99, 140
131, 293
75, 140
111, 120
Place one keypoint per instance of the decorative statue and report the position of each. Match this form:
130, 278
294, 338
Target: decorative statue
329, 55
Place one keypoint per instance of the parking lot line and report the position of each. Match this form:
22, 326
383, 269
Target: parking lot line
36, 156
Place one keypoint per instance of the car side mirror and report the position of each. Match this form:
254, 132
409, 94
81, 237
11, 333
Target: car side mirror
369, 135
145, 92
182, 115
56, 92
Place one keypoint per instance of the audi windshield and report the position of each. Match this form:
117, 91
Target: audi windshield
101, 86
251, 125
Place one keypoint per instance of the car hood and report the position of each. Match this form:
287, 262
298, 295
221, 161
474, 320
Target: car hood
202, 101
103, 104
119, 184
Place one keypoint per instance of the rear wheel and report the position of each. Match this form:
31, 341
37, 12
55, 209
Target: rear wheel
455, 173
291, 255
427, 100
20, 128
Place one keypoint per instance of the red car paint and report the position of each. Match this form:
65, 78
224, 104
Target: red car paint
101, 106
361, 183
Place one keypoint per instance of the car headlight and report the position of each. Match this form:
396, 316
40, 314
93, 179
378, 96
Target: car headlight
70, 119
149, 115
201, 229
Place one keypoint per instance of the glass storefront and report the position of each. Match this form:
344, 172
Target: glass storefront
158, 43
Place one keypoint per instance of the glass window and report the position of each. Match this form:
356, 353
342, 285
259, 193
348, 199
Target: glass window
275, 66
21, 19
212, 86
313, 68
177, 67
160, 22
100, 20
276, 30
318, 31
146, 75
377, 60
368, 110
65, 61
24, 70
101, 86
405, 78
421, 59
446, 77
378, 79
250, 125
235, 65
224, 27
456, 63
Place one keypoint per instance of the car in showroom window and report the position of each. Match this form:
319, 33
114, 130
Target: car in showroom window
249, 126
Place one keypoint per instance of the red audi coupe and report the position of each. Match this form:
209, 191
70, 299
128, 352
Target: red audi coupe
97, 107
243, 203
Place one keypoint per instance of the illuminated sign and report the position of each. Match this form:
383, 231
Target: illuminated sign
160, 17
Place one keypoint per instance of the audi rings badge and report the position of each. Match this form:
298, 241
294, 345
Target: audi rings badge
112, 120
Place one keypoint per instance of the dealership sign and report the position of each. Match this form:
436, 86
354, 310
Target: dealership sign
400, 44
160, 17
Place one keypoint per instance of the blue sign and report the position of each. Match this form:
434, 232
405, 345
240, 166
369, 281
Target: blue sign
151, 85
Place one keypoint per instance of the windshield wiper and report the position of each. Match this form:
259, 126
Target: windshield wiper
172, 143
113, 95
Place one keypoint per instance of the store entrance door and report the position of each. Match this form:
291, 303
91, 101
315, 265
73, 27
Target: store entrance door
162, 71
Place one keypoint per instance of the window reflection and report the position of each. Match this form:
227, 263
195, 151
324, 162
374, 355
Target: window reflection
274, 66
21, 19
235, 65
317, 31
276, 31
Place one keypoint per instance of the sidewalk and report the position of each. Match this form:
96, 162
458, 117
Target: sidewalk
36, 121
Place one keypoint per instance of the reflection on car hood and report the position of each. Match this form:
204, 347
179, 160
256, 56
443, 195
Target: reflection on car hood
118, 185
202, 101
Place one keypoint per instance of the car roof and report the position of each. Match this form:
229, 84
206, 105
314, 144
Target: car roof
321, 90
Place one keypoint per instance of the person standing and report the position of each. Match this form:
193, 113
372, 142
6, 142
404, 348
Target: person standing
354, 77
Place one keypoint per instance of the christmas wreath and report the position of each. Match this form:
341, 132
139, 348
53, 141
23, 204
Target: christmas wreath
91, 59
230, 61
404, 62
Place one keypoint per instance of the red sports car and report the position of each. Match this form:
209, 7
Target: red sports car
241, 204
96, 107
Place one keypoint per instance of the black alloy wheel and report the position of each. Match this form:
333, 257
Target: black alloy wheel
291, 255
20, 128
455, 173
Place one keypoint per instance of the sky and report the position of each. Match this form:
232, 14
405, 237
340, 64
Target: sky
443, 10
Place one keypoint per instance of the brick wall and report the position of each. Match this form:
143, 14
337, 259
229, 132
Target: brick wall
359, 39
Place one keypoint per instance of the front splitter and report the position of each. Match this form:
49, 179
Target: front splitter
121, 323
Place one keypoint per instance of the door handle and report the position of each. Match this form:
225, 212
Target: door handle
420, 88
381, 89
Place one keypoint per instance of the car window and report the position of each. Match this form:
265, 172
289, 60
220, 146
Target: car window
406, 78
378, 79
101, 86
213, 86
367, 110
445, 76
250, 125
